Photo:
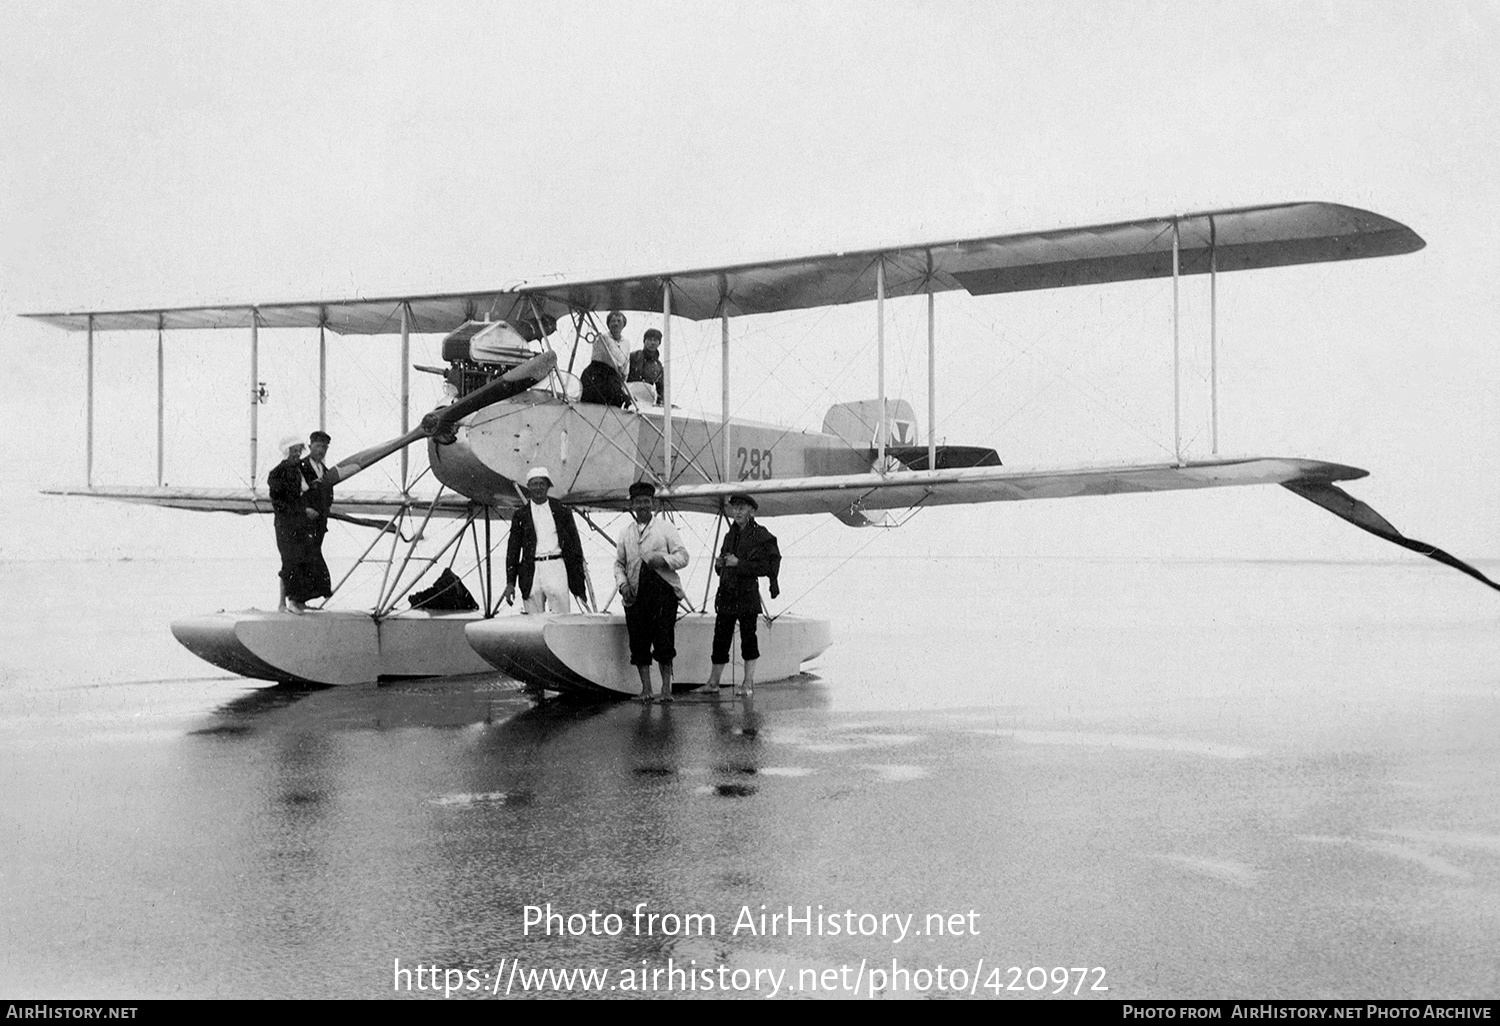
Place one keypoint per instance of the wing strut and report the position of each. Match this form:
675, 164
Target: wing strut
931, 371
880, 354
1213, 333
161, 401
254, 391
405, 387
88, 442
666, 381
1176, 343
322, 378
1340, 503
724, 378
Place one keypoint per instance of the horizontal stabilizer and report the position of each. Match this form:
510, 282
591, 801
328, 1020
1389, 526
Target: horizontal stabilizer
1342, 504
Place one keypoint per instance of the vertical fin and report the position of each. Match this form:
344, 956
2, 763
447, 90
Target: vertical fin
858, 423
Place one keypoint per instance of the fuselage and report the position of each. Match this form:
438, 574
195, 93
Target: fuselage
594, 450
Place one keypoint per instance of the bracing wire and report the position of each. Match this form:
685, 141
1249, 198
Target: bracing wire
915, 508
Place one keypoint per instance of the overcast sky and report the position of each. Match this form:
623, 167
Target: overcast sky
181, 153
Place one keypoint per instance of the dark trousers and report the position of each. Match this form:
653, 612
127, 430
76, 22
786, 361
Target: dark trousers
601, 383
651, 620
302, 566
724, 635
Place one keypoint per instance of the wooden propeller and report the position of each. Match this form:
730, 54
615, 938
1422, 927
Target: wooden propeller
440, 422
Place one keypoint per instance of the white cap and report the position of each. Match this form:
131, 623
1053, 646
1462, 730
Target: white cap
537, 472
285, 445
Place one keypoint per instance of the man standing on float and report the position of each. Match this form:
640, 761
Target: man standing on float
544, 553
750, 552
647, 559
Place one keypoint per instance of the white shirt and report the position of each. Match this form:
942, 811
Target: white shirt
612, 353
546, 529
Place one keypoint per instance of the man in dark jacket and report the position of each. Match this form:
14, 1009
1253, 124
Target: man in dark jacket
645, 363
318, 493
544, 553
296, 529
749, 552
319, 481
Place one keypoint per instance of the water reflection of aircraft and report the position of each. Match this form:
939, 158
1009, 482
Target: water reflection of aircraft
447, 702
517, 406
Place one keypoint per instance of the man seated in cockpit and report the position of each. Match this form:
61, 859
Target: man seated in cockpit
603, 380
645, 363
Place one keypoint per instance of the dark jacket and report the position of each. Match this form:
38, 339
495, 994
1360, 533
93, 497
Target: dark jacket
520, 553
287, 500
644, 368
319, 496
759, 556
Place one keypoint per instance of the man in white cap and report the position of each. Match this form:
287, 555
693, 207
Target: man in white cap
544, 554
296, 521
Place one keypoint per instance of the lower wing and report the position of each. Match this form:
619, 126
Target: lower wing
848, 495
245, 501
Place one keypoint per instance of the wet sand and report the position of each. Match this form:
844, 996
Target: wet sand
1251, 780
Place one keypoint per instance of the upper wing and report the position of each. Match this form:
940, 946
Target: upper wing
1232, 240
433, 314
846, 496
1229, 240
243, 500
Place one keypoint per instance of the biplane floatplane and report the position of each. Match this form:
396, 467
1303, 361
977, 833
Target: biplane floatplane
515, 407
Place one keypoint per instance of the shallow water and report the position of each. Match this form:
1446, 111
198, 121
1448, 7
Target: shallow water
1209, 779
